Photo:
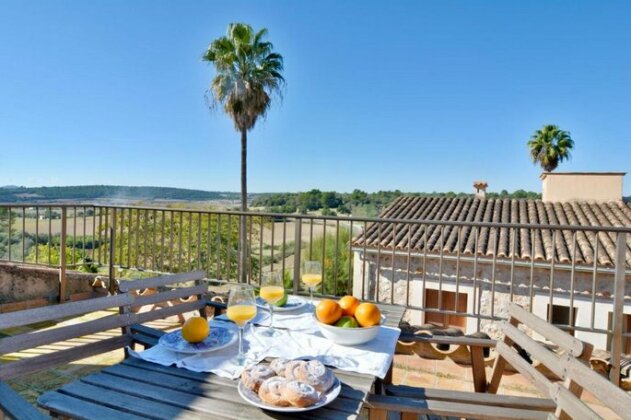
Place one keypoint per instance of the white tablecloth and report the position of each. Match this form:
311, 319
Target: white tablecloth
298, 337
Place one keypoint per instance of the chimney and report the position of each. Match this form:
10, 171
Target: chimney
480, 189
582, 186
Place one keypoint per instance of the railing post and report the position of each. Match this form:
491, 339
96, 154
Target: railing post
618, 307
243, 243
112, 277
297, 249
62, 257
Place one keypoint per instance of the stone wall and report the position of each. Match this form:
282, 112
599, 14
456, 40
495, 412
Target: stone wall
488, 291
23, 282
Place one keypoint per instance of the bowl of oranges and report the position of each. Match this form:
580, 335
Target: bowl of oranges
348, 321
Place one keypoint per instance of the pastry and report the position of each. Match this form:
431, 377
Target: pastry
253, 378
315, 374
279, 365
292, 367
299, 394
270, 391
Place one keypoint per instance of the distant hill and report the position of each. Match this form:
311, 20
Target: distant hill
12, 194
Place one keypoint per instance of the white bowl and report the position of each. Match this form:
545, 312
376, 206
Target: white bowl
349, 336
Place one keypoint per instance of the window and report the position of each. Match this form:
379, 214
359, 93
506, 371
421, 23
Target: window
561, 316
448, 303
626, 328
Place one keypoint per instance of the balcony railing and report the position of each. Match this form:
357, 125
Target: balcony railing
455, 273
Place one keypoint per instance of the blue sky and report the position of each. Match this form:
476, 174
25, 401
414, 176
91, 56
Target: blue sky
414, 95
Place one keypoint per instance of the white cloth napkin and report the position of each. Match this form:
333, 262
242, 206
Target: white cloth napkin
298, 337
373, 358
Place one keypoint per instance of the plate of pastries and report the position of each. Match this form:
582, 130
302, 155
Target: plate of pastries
289, 385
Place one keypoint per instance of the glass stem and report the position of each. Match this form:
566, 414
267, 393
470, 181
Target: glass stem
311, 294
241, 341
271, 316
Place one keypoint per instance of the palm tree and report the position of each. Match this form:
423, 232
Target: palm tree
248, 74
550, 146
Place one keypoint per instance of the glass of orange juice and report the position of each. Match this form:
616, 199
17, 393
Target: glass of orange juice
311, 275
272, 291
241, 309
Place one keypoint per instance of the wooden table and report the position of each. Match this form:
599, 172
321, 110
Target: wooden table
135, 389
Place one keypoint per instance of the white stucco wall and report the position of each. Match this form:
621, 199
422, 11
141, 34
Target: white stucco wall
562, 187
482, 297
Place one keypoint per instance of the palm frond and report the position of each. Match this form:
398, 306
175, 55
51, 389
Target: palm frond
549, 146
248, 74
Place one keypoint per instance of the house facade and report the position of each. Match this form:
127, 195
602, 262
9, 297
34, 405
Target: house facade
472, 272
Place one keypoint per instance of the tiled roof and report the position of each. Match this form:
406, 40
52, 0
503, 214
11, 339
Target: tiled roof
499, 241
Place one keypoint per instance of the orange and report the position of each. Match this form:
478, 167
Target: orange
367, 314
348, 305
195, 329
328, 311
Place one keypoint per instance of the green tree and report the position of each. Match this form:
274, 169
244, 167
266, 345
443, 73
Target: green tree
335, 261
7, 234
358, 197
344, 209
550, 146
330, 200
248, 74
310, 200
50, 255
180, 241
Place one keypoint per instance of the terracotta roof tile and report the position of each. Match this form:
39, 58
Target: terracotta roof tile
524, 243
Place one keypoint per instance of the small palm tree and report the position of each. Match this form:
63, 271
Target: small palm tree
248, 74
550, 146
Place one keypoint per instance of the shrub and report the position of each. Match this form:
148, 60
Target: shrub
335, 261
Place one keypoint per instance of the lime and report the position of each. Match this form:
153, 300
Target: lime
347, 322
283, 301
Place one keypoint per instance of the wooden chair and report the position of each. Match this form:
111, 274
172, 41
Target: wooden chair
572, 367
563, 397
133, 332
476, 347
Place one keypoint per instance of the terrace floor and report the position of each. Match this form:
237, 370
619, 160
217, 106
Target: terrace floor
409, 370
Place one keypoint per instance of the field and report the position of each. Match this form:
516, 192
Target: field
33, 225
308, 232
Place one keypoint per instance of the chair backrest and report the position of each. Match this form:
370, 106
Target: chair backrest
569, 365
165, 290
124, 302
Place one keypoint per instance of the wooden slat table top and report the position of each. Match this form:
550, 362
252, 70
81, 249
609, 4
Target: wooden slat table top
135, 388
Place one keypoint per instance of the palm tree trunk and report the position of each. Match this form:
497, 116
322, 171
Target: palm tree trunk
244, 206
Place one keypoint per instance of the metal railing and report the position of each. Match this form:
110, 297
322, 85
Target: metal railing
452, 273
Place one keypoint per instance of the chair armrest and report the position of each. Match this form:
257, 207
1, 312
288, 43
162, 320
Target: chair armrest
144, 335
216, 305
442, 339
148, 331
13, 405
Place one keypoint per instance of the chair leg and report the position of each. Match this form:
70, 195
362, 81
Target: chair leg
380, 383
477, 366
378, 414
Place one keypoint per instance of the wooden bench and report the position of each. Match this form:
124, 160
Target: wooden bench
133, 332
563, 401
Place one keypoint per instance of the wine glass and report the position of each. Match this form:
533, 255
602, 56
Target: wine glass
241, 309
272, 291
311, 275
